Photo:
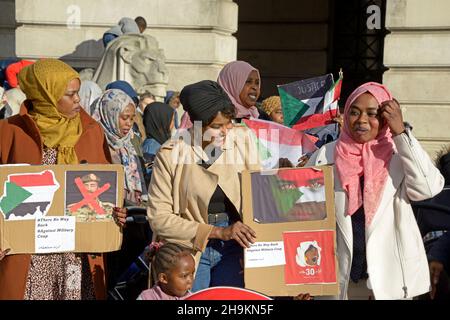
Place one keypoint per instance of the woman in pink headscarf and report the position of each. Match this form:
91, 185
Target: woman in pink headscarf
379, 169
242, 83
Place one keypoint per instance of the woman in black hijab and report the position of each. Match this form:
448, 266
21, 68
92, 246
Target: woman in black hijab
158, 123
195, 192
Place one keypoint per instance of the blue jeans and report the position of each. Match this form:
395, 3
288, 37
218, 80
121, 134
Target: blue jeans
220, 265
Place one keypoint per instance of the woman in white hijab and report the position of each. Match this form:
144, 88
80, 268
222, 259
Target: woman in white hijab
13, 99
89, 92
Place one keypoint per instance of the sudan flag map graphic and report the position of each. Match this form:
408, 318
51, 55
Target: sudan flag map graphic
28, 195
295, 194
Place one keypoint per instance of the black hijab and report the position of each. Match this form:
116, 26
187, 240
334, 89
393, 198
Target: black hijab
157, 119
203, 100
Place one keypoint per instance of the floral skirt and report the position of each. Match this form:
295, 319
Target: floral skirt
59, 276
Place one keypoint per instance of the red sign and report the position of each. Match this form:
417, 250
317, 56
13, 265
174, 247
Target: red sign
227, 293
309, 257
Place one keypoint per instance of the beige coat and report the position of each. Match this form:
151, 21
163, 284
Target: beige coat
180, 189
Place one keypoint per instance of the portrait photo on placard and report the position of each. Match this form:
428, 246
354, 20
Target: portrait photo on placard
288, 195
310, 257
90, 195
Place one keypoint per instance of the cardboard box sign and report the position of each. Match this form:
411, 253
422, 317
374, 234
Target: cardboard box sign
60, 208
292, 212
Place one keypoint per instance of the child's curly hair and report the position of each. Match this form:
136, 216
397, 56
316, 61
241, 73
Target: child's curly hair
270, 104
164, 257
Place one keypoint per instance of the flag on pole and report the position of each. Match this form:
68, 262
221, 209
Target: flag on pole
276, 141
310, 103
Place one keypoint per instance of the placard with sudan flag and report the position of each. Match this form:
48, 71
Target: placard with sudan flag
292, 208
34, 205
28, 195
288, 195
275, 141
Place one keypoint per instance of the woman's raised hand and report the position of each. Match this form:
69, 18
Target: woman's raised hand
390, 111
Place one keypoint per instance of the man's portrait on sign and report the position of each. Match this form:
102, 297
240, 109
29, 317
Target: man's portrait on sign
90, 195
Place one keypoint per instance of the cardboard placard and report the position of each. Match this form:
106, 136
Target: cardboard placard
60, 208
292, 212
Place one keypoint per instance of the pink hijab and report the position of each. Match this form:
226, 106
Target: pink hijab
370, 159
232, 79
186, 122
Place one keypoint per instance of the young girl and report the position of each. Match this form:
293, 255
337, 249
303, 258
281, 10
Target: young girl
172, 267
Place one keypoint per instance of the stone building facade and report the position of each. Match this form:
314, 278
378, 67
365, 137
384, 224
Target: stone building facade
287, 40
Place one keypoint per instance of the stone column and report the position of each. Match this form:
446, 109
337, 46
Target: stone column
286, 40
7, 28
195, 34
418, 54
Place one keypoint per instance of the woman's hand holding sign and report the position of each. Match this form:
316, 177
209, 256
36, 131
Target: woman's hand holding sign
119, 216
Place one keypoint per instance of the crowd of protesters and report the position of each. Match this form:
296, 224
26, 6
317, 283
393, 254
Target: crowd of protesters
195, 207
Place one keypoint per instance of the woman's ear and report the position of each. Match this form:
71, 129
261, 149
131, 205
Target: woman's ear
162, 278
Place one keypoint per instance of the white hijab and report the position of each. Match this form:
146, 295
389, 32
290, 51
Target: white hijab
14, 99
89, 91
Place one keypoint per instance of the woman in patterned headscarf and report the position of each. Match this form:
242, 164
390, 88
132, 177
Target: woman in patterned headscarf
116, 112
116, 115
51, 128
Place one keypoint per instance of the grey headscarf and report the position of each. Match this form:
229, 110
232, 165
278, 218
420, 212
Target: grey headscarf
125, 26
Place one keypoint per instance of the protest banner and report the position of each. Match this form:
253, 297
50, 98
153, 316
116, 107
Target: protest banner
292, 212
60, 208
275, 141
311, 104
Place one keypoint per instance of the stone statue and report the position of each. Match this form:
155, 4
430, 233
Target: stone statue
136, 59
